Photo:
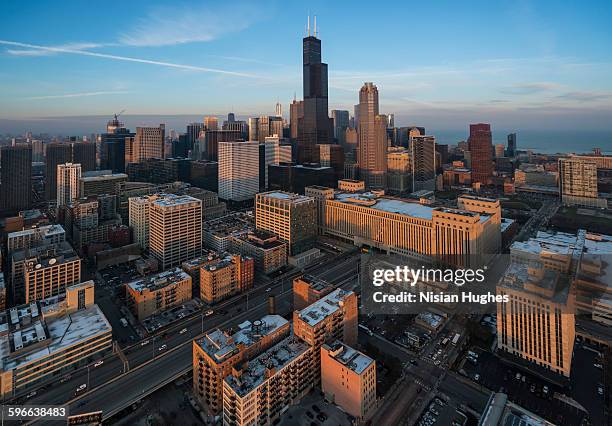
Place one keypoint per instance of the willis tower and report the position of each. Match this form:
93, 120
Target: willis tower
315, 127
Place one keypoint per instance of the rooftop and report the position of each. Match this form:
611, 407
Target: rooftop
349, 357
288, 196
315, 283
271, 361
324, 307
45, 230
57, 332
548, 242
220, 345
158, 281
169, 200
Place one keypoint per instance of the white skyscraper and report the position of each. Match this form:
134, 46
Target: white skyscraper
68, 176
238, 170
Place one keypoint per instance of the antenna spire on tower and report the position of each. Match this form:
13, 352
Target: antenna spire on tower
315, 25
309, 25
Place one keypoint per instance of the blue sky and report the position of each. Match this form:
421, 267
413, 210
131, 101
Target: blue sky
518, 64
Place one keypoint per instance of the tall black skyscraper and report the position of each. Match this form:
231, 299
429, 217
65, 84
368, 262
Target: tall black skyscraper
315, 127
84, 153
15, 178
112, 146
511, 148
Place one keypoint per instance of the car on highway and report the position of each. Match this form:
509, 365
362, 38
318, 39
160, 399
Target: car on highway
31, 395
209, 312
99, 363
82, 387
143, 343
269, 289
183, 331
162, 347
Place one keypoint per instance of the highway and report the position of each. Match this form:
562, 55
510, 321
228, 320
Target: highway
111, 389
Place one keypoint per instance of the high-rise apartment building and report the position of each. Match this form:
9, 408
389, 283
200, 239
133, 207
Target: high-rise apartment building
348, 378
139, 219
218, 352
34, 237
175, 229
84, 153
315, 127
372, 149
480, 146
423, 156
225, 277
578, 182
292, 217
308, 289
68, 179
147, 143
238, 170
101, 182
15, 178
399, 170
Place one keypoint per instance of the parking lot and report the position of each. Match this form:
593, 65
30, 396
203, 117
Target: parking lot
443, 412
165, 318
531, 391
313, 410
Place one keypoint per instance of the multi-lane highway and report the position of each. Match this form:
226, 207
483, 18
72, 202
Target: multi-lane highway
158, 360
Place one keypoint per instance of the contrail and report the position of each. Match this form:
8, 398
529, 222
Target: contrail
124, 58
78, 95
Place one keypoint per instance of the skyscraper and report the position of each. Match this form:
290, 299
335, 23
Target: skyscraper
372, 150
238, 170
481, 150
55, 154
148, 143
511, 150
112, 146
15, 178
340, 120
578, 182
296, 114
84, 153
423, 156
315, 126
211, 123
68, 176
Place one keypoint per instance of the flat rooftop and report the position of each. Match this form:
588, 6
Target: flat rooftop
220, 345
158, 281
170, 200
347, 356
63, 331
324, 307
44, 230
274, 359
287, 196
315, 283
548, 242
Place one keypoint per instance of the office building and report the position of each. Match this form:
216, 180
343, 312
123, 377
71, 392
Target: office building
159, 170
259, 391
68, 176
193, 134
45, 339
207, 146
372, 148
112, 146
480, 146
292, 217
295, 178
332, 156
218, 352
340, 120
455, 236
226, 277
101, 182
511, 151
175, 229
422, 154
238, 170
537, 324
500, 411
399, 170
500, 149
267, 155
348, 379
296, 113
211, 123
15, 178
157, 293
219, 233
268, 252
578, 183
253, 129
84, 153
147, 143
315, 127
308, 289
235, 125
204, 174
139, 219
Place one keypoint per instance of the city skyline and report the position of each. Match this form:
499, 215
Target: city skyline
515, 71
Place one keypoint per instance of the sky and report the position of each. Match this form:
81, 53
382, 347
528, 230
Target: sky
518, 64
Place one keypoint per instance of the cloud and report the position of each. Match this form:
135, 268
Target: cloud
79, 95
530, 88
45, 52
125, 58
585, 96
165, 26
